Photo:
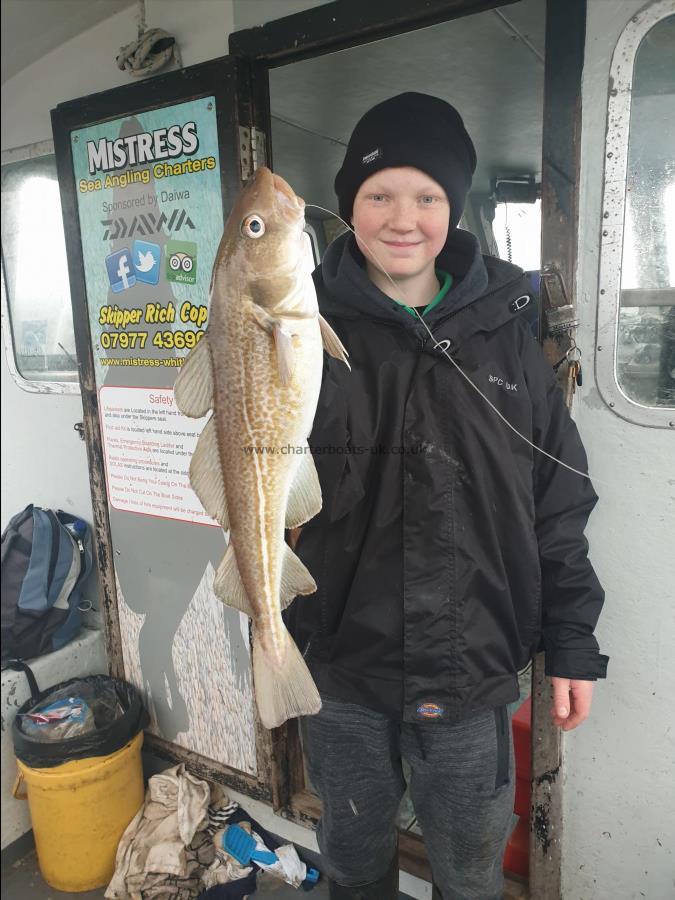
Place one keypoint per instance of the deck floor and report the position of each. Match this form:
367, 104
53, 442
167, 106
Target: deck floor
22, 881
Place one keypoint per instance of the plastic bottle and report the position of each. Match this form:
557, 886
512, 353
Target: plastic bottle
78, 529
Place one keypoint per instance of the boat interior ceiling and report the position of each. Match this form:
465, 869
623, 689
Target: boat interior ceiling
489, 65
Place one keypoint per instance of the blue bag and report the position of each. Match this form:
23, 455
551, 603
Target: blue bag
46, 557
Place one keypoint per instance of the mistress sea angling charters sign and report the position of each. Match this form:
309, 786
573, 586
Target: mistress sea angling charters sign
150, 210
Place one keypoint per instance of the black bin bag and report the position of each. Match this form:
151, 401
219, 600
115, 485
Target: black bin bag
75, 719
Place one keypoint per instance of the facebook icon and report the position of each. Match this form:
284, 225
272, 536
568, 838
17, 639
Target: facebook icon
120, 270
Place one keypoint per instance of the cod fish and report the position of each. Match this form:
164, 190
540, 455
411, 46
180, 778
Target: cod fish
258, 367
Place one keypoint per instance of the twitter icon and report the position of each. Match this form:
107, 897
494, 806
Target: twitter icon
146, 257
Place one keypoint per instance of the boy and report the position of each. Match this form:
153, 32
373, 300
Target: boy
447, 551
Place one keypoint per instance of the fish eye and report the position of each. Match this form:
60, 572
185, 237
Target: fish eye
253, 227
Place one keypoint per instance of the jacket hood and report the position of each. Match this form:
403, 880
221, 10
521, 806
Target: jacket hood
346, 291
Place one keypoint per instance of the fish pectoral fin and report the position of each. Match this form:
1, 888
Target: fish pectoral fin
332, 343
228, 585
304, 499
283, 341
295, 578
284, 688
206, 475
263, 318
193, 389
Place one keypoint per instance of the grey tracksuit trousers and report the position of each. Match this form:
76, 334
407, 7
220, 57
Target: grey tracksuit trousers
462, 788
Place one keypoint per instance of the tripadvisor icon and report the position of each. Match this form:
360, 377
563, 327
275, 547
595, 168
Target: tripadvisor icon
181, 262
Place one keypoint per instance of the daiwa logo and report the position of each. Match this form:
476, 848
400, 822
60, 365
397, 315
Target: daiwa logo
147, 223
430, 710
372, 156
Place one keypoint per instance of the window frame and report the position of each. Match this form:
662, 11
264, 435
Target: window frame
310, 231
32, 386
619, 106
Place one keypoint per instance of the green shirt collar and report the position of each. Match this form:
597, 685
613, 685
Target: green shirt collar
446, 283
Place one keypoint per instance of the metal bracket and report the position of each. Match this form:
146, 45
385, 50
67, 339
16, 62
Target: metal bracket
251, 150
258, 148
245, 153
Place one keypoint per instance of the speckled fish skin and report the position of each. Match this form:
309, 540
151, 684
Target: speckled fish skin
258, 367
253, 409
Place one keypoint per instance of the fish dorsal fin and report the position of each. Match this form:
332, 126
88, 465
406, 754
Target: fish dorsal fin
332, 343
304, 499
228, 585
206, 475
295, 578
193, 389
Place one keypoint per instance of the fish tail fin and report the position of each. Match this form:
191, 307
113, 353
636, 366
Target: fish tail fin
286, 691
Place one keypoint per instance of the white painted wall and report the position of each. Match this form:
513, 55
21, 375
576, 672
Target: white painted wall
619, 832
249, 13
86, 64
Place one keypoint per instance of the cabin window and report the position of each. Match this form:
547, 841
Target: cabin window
312, 248
517, 231
637, 267
37, 315
646, 346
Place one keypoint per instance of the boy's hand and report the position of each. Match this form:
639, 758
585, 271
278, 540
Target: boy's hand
571, 702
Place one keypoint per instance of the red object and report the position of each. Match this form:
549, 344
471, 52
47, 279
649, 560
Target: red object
522, 738
516, 857
521, 806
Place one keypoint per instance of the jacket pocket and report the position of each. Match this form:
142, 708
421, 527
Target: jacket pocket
503, 746
348, 492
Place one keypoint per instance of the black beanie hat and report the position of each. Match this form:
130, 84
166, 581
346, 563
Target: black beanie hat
409, 130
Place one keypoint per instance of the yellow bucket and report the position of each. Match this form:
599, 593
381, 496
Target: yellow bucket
79, 811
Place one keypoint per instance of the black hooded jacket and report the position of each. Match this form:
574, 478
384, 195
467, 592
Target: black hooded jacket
447, 551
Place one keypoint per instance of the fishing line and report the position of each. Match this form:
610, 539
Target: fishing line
443, 347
